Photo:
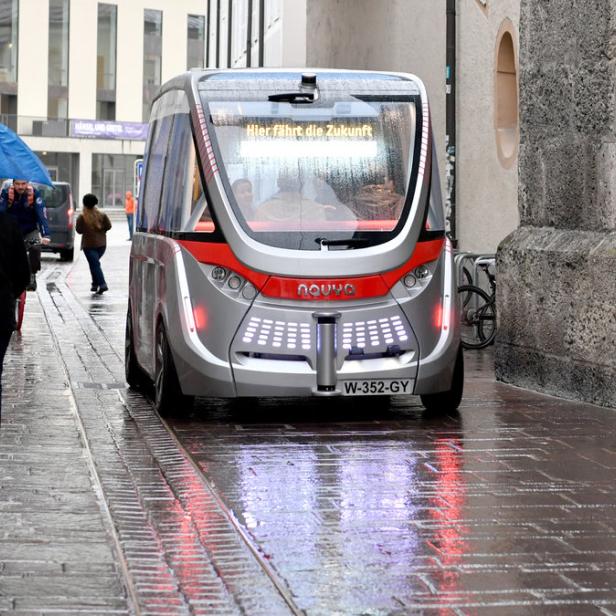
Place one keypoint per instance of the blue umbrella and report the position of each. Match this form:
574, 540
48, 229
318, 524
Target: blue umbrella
18, 161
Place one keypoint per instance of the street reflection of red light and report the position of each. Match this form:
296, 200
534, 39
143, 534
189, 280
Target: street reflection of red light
200, 315
450, 488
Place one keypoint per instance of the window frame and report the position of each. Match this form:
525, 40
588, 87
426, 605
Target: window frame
159, 106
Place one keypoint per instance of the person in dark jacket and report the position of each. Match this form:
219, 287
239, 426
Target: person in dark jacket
94, 224
25, 204
14, 277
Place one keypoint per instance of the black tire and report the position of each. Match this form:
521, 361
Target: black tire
467, 279
487, 323
67, 254
477, 317
168, 397
449, 400
135, 377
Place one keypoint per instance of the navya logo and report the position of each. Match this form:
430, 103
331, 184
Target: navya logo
325, 290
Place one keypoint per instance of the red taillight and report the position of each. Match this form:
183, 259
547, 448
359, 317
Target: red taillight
438, 316
70, 213
200, 316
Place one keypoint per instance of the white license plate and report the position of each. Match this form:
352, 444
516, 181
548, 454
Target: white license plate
377, 387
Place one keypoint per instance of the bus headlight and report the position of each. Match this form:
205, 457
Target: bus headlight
416, 281
249, 292
219, 273
230, 283
234, 282
409, 281
422, 272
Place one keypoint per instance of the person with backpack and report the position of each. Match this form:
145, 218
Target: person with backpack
14, 277
26, 206
93, 225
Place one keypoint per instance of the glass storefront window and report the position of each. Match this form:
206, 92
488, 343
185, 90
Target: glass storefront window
9, 10
112, 176
62, 167
152, 57
196, 42
106, 61
57, 101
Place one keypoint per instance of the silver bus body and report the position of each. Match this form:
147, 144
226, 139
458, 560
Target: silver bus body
290, 238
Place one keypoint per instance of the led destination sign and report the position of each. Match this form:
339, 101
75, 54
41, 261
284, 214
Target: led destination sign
285, 131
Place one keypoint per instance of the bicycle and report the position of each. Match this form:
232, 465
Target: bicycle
478, 310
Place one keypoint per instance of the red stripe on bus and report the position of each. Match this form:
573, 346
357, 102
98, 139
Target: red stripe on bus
334, 289
220, 254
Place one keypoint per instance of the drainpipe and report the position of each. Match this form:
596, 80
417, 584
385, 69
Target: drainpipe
450, 121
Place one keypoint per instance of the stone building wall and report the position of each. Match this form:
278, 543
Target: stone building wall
557, 272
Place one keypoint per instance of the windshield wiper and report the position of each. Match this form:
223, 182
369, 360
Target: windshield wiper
292, 97
352, 241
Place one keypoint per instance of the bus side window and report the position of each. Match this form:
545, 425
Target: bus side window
435, 220
155, 167
177, 175
200, 218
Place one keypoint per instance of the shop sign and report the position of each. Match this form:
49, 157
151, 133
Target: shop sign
98, 129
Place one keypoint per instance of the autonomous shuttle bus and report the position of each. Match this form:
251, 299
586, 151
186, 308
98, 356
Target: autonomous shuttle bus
290, 241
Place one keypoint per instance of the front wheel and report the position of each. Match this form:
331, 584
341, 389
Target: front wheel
477, 317
448, 400
135, 377
168, 397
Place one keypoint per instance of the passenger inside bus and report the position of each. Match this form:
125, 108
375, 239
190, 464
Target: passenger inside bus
325, 194
379, 201
242, 190
200, 217
288, 203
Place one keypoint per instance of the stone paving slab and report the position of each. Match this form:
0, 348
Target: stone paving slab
56, 552
506, 508
181, 553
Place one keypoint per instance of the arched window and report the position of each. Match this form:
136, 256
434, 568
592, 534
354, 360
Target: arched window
506, 119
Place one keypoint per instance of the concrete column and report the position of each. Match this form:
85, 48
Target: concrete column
33, 43
85, 172
293, 33
129, 84
175, 41
556, 281
82, 60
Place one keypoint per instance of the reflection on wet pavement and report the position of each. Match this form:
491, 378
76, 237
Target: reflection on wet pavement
384, 508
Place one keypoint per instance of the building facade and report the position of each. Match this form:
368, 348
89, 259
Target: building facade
77, 78
79, 90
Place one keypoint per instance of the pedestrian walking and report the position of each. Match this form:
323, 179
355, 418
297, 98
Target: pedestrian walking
129, 209
14, 278
94, 224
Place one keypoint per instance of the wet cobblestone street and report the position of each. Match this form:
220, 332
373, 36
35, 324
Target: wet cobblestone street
286, 507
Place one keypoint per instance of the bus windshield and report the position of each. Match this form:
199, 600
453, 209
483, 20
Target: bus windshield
333, 174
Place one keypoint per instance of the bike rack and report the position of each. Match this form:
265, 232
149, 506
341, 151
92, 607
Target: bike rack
476, 260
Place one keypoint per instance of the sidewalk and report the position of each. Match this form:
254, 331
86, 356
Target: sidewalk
101, 513
55, 549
